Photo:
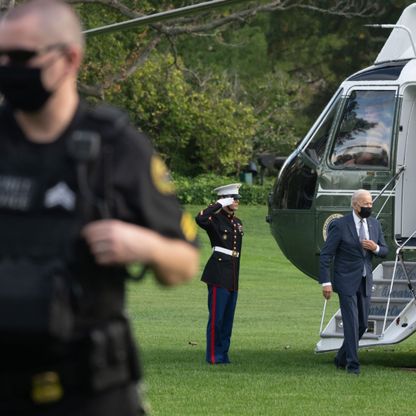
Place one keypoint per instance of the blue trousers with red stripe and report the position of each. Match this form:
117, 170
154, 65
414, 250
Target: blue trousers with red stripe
221, 307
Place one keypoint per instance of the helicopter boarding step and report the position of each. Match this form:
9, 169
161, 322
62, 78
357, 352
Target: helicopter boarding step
383, 328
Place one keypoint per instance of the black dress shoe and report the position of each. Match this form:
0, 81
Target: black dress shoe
339, 365
353, 371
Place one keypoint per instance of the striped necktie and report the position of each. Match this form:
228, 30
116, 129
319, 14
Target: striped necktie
361, 233
362, 236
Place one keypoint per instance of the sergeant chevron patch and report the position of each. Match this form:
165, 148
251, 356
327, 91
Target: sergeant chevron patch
60, 195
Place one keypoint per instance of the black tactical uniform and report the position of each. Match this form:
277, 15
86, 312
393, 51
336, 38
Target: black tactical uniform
221, 274
66, 357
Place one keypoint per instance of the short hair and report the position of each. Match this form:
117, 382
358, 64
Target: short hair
357, 194
59, 21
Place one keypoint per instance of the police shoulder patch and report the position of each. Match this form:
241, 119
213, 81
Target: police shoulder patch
160, 176
188, 226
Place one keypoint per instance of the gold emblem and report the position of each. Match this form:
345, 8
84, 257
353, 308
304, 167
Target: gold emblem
46, 388
188, 226
160, 176
327, 222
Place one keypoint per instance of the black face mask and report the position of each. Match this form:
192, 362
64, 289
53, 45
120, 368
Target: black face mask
365, 212
22, 88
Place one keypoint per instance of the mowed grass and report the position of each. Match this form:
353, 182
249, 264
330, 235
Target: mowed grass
274, 369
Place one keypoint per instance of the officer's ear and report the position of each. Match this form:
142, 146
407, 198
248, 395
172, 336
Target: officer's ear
74, 56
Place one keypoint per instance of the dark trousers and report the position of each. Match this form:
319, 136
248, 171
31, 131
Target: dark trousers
354, 310
221, 307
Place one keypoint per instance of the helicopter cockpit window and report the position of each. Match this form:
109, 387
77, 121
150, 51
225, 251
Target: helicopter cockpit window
297, 184
363, 139
316, 147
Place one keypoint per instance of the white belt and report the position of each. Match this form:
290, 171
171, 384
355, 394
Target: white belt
226, 251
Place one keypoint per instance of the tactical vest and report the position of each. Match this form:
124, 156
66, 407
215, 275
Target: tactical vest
51, 290
62, 324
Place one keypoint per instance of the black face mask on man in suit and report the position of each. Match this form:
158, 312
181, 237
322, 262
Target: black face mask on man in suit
365, 212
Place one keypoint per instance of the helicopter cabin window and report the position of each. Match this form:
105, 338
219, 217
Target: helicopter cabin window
297, 186
363, 139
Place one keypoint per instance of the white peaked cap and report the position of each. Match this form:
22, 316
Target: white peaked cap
231, 189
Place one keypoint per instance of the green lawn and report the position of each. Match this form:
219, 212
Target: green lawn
274, 369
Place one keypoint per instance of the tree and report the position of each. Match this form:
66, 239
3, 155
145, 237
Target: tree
144, 41
329, 49
196, 130
202, 117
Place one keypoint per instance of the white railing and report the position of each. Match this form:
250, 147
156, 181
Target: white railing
323, 317
399, 257
395, 178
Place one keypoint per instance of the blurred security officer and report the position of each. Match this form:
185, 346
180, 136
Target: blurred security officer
82, 194
221, 272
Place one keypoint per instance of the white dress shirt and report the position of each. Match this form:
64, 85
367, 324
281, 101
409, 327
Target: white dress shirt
357, 221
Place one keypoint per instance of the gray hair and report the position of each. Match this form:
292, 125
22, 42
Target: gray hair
357, 194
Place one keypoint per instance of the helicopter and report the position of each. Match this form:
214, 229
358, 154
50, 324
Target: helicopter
364, 138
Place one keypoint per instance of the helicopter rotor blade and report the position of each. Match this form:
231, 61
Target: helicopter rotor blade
157, 17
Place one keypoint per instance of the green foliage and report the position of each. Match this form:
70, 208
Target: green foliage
199, 190
276, 98
255, 194
320, 50
241, 55
241, 51
108, 54
234, 92
195, 131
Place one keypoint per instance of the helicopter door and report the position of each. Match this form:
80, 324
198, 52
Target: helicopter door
405, 201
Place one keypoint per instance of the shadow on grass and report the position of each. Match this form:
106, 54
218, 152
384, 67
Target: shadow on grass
389, 358
295, 361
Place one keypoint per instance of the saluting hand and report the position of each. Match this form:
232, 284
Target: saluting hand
225, 202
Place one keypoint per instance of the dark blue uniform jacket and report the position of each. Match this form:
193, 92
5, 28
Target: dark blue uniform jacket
226, 231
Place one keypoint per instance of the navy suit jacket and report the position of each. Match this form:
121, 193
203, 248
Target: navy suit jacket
343, 248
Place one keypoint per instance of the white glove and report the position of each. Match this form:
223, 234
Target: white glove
225, 202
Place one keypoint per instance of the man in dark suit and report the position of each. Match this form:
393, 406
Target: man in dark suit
221, 273
352, 242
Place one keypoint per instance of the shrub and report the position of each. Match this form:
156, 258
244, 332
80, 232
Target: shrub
199, 190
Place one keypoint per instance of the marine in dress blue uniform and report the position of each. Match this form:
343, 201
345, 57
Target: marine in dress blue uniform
221, 273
